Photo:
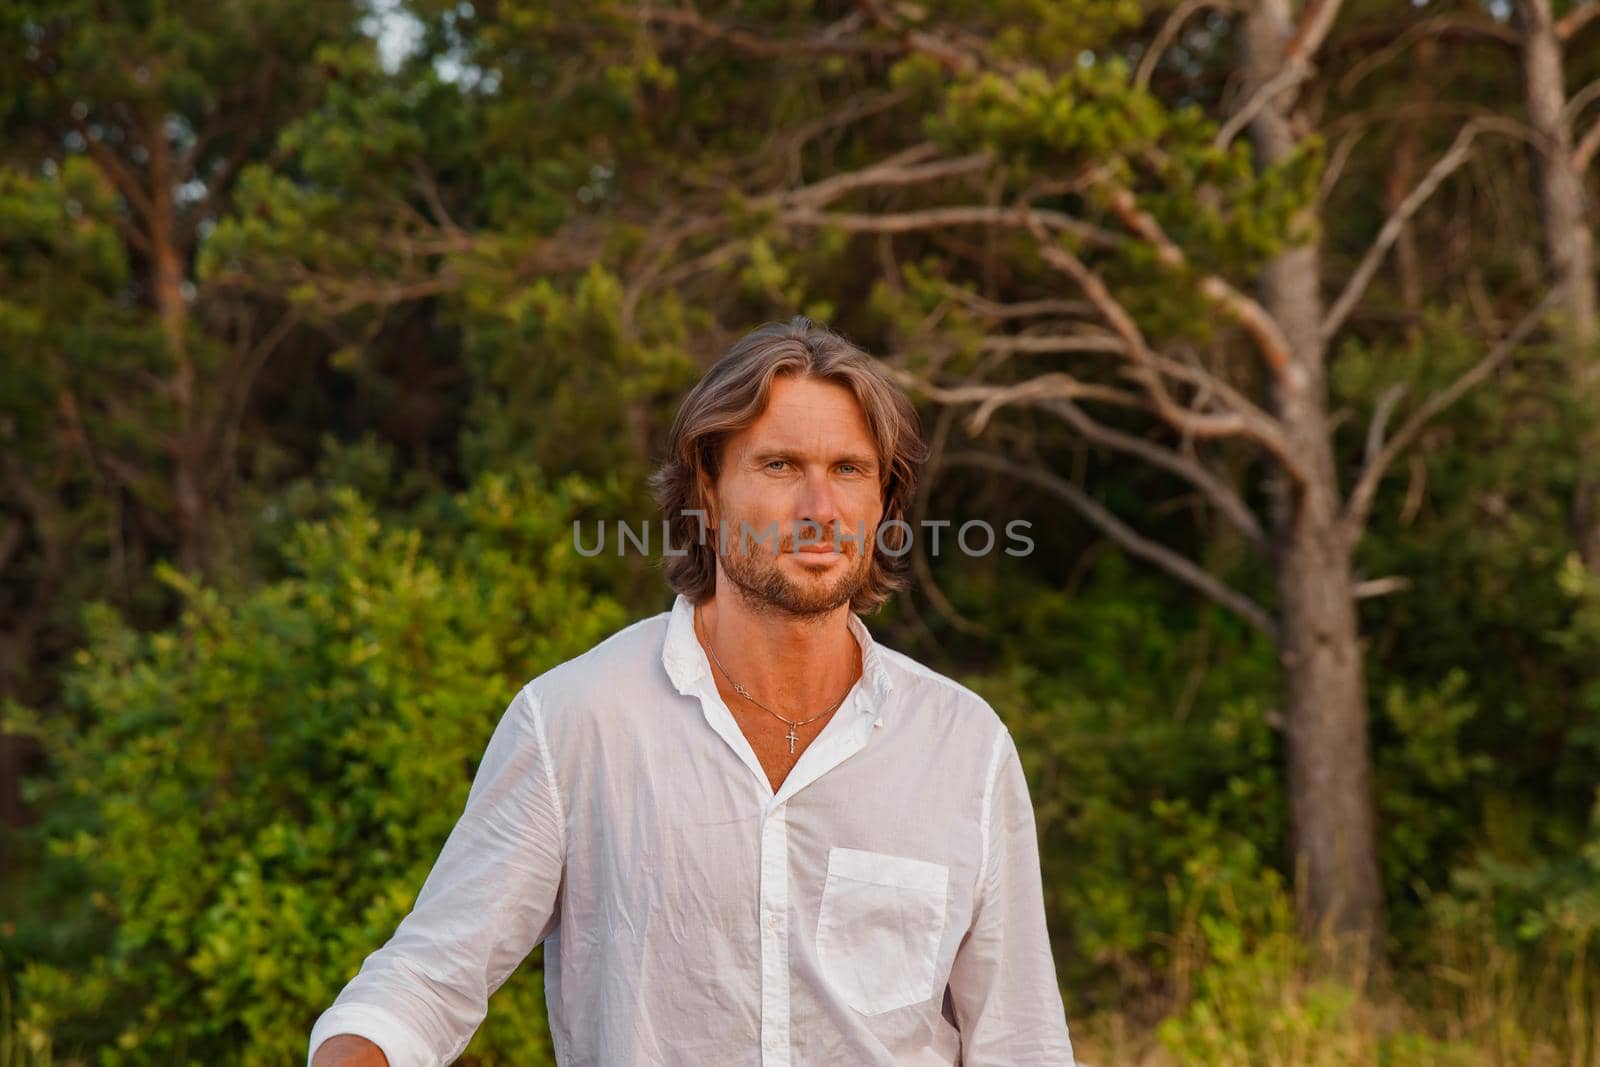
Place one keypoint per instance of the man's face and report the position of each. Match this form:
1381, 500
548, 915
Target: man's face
809, 461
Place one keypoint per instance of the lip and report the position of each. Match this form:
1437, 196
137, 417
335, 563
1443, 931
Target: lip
819, 550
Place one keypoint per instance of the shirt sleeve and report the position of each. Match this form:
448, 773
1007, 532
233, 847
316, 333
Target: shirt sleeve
491, 896
1003, 988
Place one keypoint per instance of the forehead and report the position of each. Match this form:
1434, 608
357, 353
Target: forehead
807, 415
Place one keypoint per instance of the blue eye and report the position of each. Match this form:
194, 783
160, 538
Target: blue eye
770, 462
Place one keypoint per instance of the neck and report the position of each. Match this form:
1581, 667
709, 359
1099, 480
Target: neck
795, 665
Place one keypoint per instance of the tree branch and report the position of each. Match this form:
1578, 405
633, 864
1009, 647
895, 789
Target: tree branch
1290, 75
1020, 309
218, 184
1569, 24
1055, 393
1393, 226
1580, 100
119, 175
1359, 504
1257, 322
990, 398
1313, 29
830, 42
1228, 502
1310, 32
1144, 368
223, 433
943, 217
429, 187
1035, 344
128, 227
1169, 32
716, 257
1583, 152
1373, 587
899, 169
1380, 421
1436, 26
1209, 385
953, 56
1134, 543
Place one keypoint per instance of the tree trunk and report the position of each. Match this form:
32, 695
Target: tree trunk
168, 269
1332, 822
1568, 242
1403, 178
1567, 239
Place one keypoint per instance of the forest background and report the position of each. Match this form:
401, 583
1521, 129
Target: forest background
322, 322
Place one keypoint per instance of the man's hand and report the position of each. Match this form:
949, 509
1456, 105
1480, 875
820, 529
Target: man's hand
348, 1050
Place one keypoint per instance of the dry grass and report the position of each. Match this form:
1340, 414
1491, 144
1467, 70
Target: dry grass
1249, 993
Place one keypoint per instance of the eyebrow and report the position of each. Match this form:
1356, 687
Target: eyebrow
860, 460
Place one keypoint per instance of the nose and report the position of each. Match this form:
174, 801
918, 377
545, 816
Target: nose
818, 505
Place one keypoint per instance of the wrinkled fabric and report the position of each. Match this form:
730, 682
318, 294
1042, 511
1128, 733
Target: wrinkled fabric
883, 907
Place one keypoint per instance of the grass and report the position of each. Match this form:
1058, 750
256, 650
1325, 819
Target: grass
1245, 991
17, 1049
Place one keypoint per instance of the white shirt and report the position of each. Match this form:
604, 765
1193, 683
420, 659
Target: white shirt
691, 916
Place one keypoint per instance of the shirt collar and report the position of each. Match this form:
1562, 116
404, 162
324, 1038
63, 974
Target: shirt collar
686, 662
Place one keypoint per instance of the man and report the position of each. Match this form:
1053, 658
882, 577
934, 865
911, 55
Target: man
744, 832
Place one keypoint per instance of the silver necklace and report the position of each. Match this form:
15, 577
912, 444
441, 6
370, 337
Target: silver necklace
791, 737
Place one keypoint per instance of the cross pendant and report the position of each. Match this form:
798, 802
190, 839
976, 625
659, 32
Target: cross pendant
792, 738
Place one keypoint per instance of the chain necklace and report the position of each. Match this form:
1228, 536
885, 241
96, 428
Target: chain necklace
791, 737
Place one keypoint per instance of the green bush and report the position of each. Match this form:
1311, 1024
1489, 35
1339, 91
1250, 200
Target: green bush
1144, 724
1253, 996
251, 799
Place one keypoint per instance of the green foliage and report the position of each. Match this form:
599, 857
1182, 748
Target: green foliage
1470, 769
184, 57
516, 251
566, 382
62, 266
254, 796
74, 354
1257, 999
347, 196
124, 127
1146, 742
1227, 215
1421, 767
1534, 895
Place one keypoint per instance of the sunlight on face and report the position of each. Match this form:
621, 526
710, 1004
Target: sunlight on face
806, 472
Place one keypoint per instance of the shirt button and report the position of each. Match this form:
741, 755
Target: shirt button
772, 922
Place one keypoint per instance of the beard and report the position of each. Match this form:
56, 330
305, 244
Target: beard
757, 571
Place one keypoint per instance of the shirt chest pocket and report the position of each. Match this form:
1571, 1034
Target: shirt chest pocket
880, 927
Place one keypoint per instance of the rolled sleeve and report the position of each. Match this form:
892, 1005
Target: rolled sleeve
1003, 987
491, 896
400, 1044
